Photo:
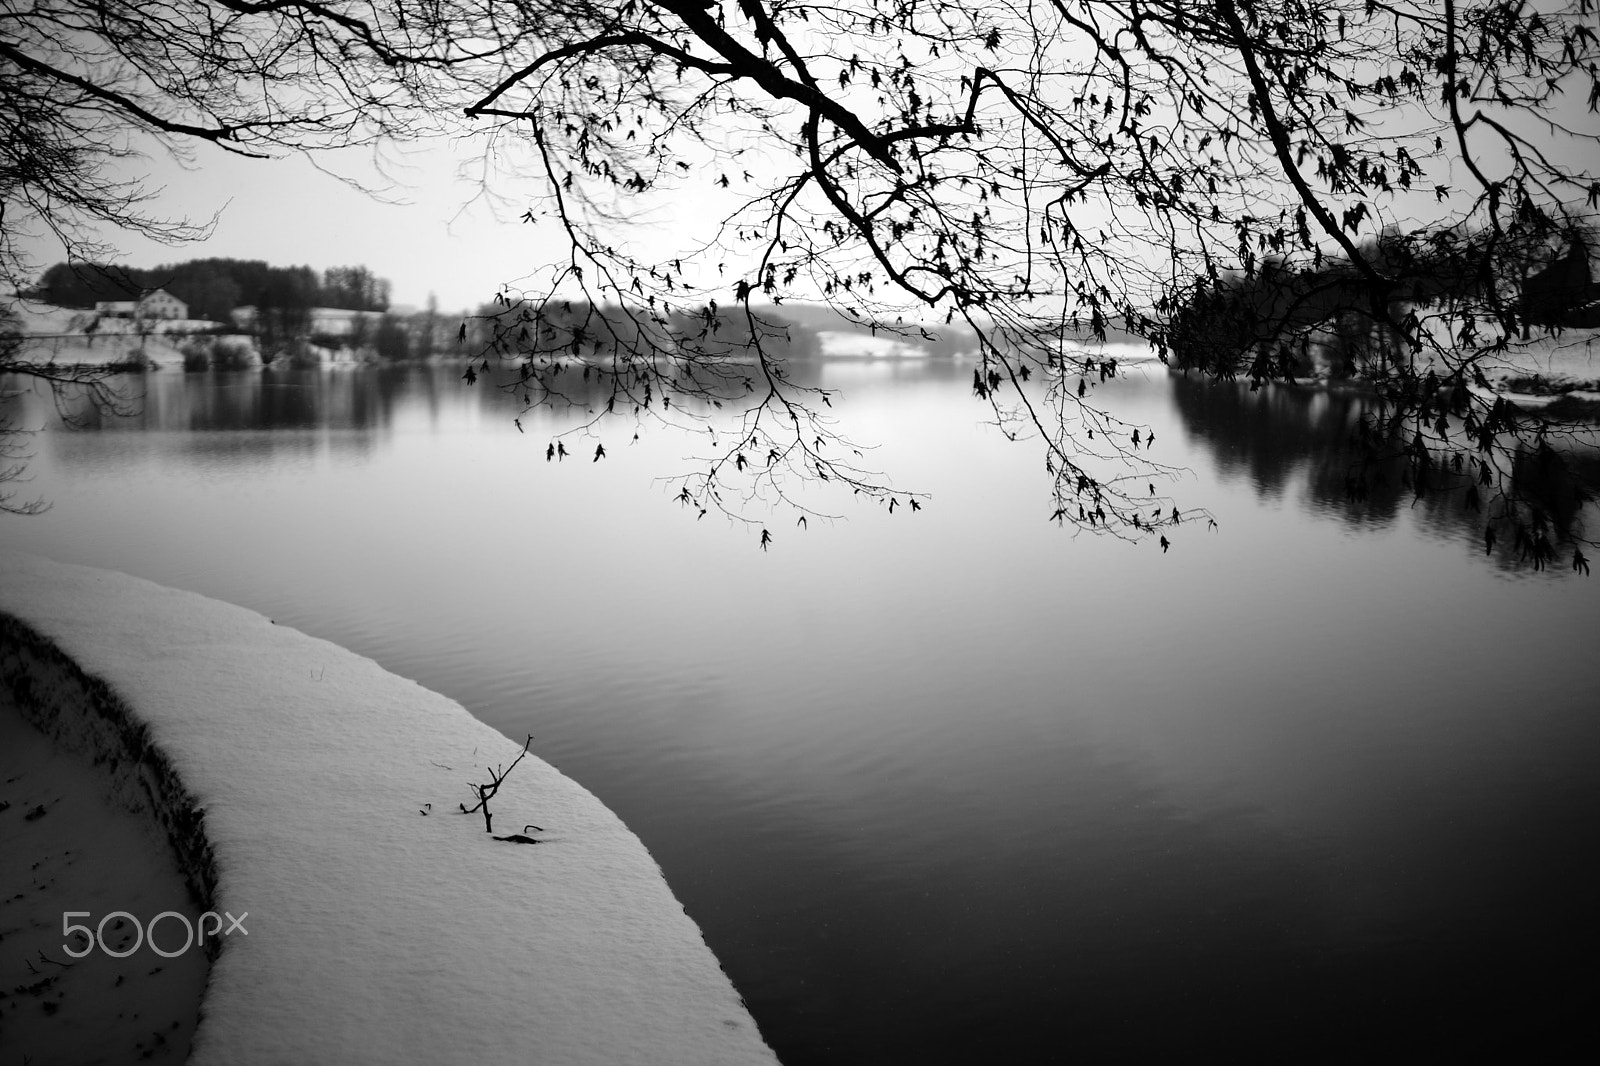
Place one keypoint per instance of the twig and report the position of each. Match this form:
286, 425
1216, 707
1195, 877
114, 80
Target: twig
484, 792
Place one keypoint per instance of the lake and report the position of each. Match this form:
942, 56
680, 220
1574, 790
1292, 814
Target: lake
956, 785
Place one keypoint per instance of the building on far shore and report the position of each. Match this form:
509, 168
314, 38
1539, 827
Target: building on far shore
157, 303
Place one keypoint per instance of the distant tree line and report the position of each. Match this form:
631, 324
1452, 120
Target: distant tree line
214, 287
1274, 319
583, 331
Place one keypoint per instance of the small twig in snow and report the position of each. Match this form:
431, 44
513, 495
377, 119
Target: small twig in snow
486, 791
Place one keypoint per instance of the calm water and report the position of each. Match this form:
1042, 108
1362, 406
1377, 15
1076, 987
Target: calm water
955, 786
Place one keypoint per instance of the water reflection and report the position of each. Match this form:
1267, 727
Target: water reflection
1288, 443
1305, 444
235, 417
251, 400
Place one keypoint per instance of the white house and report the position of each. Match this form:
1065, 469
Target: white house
157, 303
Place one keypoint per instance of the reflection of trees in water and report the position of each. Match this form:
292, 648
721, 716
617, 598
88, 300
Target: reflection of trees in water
269, 399
1555, 478
247, 400
1272, 434
1357, 464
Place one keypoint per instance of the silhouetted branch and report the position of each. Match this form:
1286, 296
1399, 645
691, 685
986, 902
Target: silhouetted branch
485, 792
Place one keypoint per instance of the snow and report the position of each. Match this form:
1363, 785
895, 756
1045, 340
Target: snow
848, 344
377, 933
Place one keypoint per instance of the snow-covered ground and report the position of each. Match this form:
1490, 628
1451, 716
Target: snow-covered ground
384, 926
840, 344
69, 336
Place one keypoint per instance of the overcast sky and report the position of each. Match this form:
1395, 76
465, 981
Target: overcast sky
288, 213
442, 237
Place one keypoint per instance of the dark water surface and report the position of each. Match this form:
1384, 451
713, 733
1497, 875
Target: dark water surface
954, 786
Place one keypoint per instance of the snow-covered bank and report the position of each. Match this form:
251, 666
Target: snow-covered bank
378, 933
